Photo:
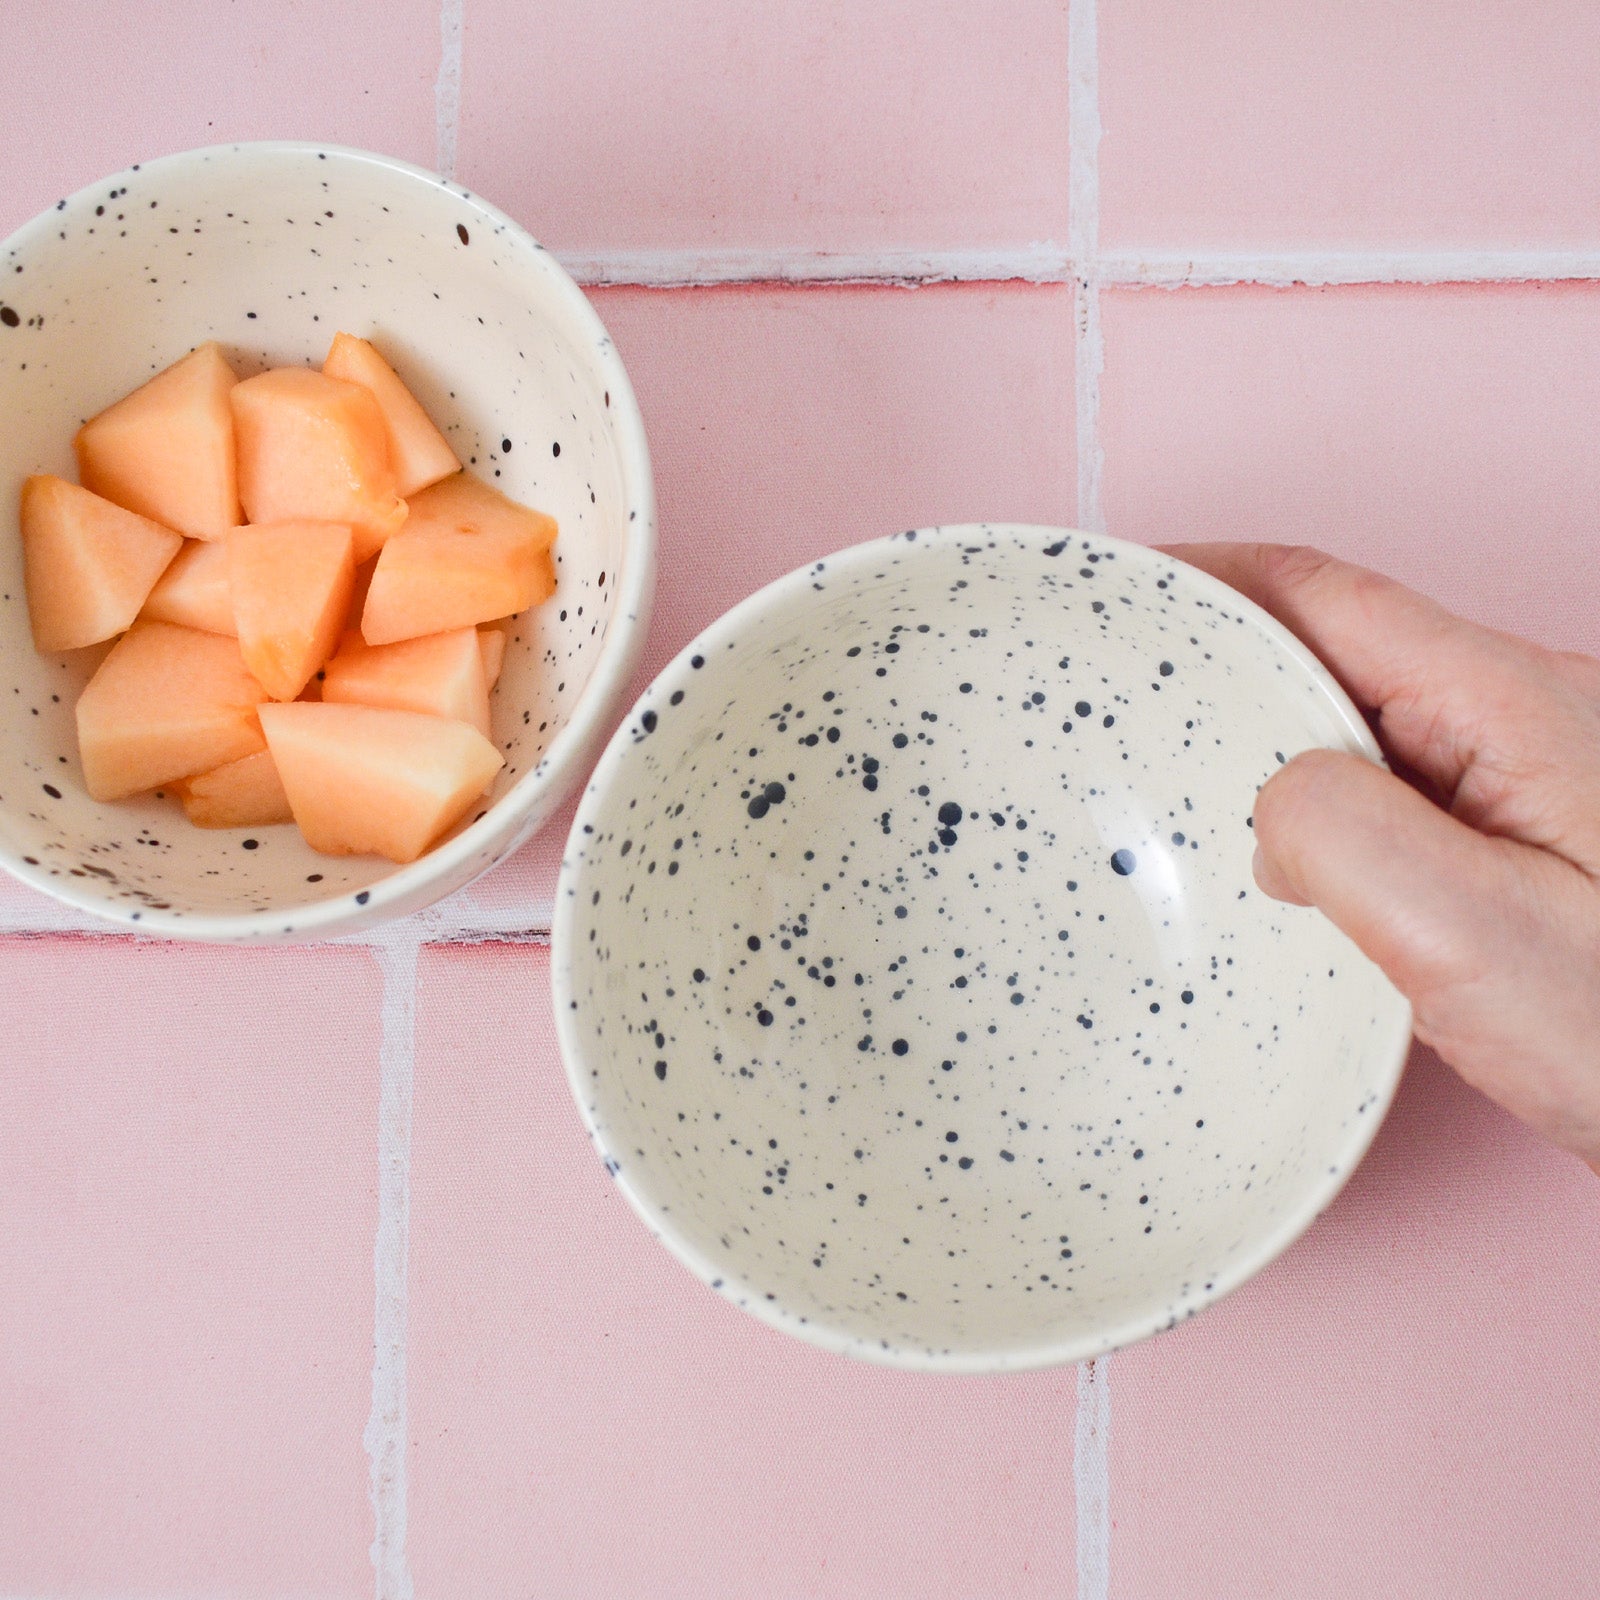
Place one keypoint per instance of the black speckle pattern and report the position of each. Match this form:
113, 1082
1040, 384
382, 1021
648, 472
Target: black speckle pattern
271, 251
962, 1038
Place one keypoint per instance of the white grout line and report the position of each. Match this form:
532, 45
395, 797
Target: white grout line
447, 88
1083, 114
1083, 120
1316, 269
1090, 1466
1045, 262
385, 1436
41, 917
1081, 263
1089, 361
1092, 1480
462, 919
458, 920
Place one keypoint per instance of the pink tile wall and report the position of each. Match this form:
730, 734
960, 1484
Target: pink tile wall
827, 126
1279, 124
190, 1141
90, 88
1404, 1405
588, 1420
187, 1209
1443, 434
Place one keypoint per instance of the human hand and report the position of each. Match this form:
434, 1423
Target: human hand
1474, 881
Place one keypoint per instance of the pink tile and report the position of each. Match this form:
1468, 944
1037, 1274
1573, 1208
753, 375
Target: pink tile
90, 88
187, 1169
1444, 435
586, 1419
1405, 1404
785, 424
825, 126
1275, 126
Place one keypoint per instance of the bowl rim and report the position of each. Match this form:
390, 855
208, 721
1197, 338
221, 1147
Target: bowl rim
1388, 1047
409, 888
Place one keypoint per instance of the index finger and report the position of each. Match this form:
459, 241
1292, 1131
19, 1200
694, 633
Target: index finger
1509, 739
1376, 636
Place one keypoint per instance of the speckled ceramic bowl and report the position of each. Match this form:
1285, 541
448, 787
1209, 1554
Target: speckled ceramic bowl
272, 248
909, 969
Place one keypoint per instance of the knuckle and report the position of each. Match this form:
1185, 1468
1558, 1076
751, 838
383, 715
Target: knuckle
1294, 566
1321, 581
1581, 672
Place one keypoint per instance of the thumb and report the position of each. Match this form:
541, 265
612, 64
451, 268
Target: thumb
1491, 940
1458, 921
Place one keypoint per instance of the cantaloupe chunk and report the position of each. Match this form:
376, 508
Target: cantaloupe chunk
193, 592
166, 703
492, 643
440, 674
418, 452
466, 555
315, 448
167, 450
368, 779
465, 504
88, 564
247, 793
290, 583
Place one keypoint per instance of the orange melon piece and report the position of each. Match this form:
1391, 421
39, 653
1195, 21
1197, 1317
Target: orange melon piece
193, 592
492, 643
370, 779
466, 555
418, 452
440, 674
167, 450
290, 583
87, 563
247, 793
313, 448
166, 703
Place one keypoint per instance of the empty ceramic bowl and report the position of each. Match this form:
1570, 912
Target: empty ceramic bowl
271, 249
909, 969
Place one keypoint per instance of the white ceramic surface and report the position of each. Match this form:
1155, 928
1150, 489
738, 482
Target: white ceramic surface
909, 970
271, 249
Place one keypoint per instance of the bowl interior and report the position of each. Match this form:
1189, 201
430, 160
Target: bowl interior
271, 250
911, 972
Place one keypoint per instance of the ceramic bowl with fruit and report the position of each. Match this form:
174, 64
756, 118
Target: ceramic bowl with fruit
327, 542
